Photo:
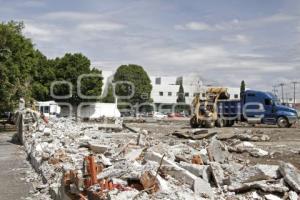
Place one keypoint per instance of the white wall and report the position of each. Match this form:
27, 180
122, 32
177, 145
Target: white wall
97, 110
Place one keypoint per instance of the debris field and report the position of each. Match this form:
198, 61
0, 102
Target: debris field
118, 160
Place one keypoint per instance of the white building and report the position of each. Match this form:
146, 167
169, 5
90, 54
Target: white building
165, 88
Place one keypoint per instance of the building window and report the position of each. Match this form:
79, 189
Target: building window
186, 94
169, 93
236, 96
196, 94
161, 93
158, 81
203, 94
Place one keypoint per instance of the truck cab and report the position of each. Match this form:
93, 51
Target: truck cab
264, 107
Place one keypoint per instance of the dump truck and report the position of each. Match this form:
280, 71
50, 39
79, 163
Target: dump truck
254, 107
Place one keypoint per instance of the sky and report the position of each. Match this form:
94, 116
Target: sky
222, 41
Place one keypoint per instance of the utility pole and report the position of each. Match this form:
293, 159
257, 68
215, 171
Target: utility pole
275, 90
282, 93
295, 83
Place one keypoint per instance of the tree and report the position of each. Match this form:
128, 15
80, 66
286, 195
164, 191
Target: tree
243, 87
181, 100
70, 68
181, 97
139, 78
18, 60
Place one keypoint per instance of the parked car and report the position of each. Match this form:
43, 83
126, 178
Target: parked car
159, 115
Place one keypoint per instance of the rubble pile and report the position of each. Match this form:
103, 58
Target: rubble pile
79, 160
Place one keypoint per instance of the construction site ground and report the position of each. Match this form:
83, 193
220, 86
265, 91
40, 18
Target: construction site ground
13, 169
284, 144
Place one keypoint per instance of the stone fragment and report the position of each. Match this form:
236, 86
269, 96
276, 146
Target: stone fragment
98, 148
272, 197
217, 173
47, 131
133, 154
172, 169
291, 175
218, 152
195, 169
203, 188
293, 195
256, 152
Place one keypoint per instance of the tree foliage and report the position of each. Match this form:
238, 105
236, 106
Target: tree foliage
69, 68
243, 87
18, 61
136, 75
181, 97
25, 72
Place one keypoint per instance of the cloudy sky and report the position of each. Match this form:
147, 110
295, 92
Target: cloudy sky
223, 41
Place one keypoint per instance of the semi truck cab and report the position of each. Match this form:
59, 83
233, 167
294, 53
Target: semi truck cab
264, 107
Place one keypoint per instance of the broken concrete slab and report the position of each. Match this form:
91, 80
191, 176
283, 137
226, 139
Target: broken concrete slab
265, 186
195, 169
112, 127
272, 197
271, 171
255, 173
133, 154
191, 135
218, 151
132, 129
97, 147
47, 131
217, 174
291, 175
257, 152
203, 188
293, 195
171, 168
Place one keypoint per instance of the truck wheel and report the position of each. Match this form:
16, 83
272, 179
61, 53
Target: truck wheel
283, 122
228, 123
194, 122
220, 123
210, 124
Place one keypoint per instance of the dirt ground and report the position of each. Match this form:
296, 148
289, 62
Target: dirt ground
284, 144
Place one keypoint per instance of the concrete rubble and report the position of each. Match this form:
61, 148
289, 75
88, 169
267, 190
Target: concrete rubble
88, 160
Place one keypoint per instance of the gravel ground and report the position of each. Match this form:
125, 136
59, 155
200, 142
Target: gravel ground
284, 144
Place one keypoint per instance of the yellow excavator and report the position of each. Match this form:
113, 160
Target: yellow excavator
206, 110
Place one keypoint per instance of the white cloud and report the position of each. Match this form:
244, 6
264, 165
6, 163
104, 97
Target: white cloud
71, 15
240, 39
42, 32
235, 24
100, 26
197, 26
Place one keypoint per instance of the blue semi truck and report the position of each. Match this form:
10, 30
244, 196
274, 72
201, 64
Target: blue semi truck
254, 107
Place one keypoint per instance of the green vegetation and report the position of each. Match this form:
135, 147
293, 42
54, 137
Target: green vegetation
181, 97
136, 75
243, 87
26, 73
